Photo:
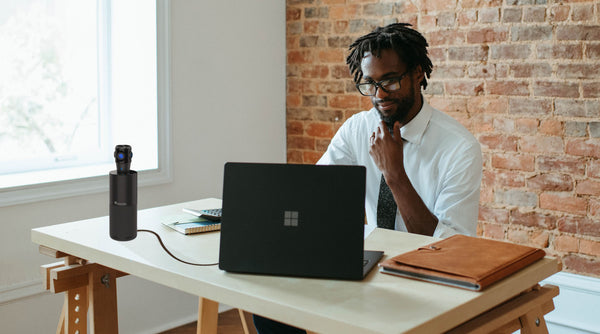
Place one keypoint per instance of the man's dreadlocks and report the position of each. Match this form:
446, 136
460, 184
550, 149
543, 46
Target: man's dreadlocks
408, 43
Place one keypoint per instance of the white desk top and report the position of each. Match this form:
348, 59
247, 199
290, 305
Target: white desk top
379, 304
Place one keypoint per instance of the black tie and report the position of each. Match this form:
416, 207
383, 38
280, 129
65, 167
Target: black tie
386, 207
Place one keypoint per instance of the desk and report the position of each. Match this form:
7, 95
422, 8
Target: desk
379, 304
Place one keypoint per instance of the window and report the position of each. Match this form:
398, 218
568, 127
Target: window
79, 77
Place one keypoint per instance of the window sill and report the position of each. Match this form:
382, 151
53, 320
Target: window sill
75, 187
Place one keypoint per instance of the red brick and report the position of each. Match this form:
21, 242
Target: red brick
508, 87
295, 128
587, 226
487, 104
551, 182
581, 264
578, 71
330, 87
300, 57
492, 215
464, 88
594, 208
578, 32
331, 56
437, 5
592, 50
340, 72
321, 144
315, 71
531, 33
293, 100
328, 115
533, 219
518, 236
294, 156
566, 243
551, 127
493, 231
559, 13
504, 125
534, 14
311, 157
534, 107
300, 114
300, 142
556, 89
510, 51
568, 224
487, 35
314, 101
340, 27
593, 168
325, 130
512, 179
467, 53
541, 144
467, 17
499, 142
527, 125
584, 147
513, 162
563, 202
293, 14
591, 90
559, 51
563, 164
479, 3
489, 15
589, 247
539, 238
588, 187
344, 101
531, 70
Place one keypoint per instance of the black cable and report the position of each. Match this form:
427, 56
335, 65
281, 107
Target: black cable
175, 257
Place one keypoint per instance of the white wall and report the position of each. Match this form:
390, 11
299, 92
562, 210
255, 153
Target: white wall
227, 104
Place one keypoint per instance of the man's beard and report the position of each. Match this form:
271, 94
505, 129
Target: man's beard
403, 107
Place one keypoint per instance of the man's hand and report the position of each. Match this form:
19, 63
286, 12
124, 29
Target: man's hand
387, 151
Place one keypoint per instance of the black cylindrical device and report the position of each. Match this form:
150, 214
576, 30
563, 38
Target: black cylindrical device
123, 197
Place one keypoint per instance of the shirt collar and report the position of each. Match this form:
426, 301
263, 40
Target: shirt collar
414, 130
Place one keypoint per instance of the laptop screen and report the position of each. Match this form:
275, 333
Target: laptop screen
294, 220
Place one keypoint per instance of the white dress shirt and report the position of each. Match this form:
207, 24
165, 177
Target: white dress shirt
442, 160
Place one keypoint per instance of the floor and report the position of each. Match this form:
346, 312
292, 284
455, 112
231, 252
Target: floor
229, 323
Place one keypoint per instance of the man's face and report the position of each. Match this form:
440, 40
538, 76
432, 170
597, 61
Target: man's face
394, 105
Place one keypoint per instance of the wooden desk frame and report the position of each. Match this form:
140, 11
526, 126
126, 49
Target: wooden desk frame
91, 293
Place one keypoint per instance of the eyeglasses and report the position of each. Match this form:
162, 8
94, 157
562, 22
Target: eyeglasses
387, 85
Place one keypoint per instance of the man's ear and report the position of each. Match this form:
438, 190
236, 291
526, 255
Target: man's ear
418, 74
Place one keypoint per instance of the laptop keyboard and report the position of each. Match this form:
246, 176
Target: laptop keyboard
365, 262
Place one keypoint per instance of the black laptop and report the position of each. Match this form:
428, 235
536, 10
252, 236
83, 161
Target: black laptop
295, 220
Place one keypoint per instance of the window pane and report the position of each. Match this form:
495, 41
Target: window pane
49, 85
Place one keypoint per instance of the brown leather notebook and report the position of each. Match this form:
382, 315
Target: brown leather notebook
462, 261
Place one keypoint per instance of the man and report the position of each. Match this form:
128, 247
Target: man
423, 167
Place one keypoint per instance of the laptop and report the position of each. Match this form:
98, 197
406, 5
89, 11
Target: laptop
295, 220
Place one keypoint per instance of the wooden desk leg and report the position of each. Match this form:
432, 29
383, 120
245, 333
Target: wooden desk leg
208, 316
87, 287
102, 289
525, 312
533, 322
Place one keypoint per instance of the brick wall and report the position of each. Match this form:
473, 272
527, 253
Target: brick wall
522, 75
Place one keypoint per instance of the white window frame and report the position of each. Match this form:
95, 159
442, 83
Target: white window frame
97, 184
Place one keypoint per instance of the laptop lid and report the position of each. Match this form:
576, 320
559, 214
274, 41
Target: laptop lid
293, 220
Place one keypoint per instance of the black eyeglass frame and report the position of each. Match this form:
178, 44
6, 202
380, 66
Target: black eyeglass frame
378, 85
